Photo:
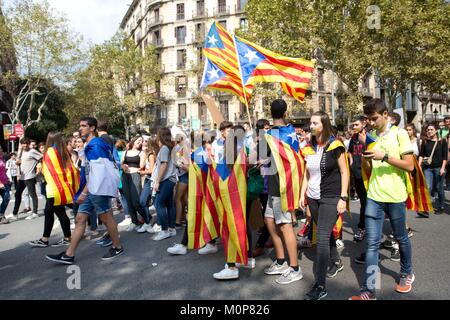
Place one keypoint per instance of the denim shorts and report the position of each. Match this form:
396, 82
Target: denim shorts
95, 205
273, 210
184, 178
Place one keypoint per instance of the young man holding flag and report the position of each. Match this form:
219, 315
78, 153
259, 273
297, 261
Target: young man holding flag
284, 179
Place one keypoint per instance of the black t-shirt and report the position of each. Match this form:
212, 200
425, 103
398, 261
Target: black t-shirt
440, 153
273, 178
356, 148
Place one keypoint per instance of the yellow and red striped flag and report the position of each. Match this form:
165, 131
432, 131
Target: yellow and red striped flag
258, 64
62, 183
284, 145
232, 187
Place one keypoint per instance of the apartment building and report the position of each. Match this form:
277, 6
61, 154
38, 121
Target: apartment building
177, 28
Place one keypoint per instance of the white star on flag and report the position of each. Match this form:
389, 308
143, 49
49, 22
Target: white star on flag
213, 73
293, 136
250, 55
212, 40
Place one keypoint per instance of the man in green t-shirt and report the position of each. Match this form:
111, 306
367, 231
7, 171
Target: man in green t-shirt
390, 158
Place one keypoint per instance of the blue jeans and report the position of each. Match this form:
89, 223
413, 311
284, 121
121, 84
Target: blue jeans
145, 197
165, 205
434, 178
4, 193
375, 212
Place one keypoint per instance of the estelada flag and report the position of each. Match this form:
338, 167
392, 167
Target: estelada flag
231, 206
419, 199
284, 145
62, 183
203, 219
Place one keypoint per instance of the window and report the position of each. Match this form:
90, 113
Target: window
199, 32
241, 5
163, 113
181, 59
223, 23
224, 109
200, 8
156, 15
200, 55
202, 112
222, 6
180, 11
320, 80
181, 86
157, 38
243, 24
180, 34
181, 112
322, 103
158, 87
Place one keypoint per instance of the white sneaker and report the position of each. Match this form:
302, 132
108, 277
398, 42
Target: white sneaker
227, 274
208, 249
152, 209
125, 222
162, 235
275, 268
132, 227
157, 228
177, 249
172, 232
250, 265
144, 228
32, 216
151, 229
339, 244
72, 226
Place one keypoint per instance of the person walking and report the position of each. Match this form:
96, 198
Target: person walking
5, 187
326, 185
12, 169
61, 182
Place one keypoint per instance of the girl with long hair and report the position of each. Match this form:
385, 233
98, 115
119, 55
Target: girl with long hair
62, 181
132, 161
164, 178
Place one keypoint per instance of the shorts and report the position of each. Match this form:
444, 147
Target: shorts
184, 178
274, 211
95, 205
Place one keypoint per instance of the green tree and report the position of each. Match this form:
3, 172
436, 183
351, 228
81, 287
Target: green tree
119, 83
47, 53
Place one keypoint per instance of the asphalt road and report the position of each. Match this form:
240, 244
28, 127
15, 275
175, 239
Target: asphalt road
26, 274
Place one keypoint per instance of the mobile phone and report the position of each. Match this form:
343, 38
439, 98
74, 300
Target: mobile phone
366, 153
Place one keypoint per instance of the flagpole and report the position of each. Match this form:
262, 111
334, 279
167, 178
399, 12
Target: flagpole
242, 82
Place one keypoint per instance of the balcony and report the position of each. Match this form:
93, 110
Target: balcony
153, 22
222, 11
200, 13
181, 40
158, 43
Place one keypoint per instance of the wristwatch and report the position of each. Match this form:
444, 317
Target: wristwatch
385, 158
344, 198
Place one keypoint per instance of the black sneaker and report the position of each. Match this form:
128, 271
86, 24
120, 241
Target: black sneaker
112, 253
316, 293
395, 255
178, 226
38, 243
423, 215
61, 258
388, 244
61, 243
359, 235
334, 269
361, 259
440, 211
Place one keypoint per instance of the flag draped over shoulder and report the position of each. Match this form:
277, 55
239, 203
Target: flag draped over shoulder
258, 64
284, 145
232, 191
419, 199
203, 218
62, 183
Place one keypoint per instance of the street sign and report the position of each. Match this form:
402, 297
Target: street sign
12, 137
7, 131
18, 130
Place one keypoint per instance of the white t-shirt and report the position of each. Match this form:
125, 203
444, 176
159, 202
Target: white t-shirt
315, 175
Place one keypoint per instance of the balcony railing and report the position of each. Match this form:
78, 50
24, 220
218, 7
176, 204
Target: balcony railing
200, 13
154, 22
222, 11
158, 42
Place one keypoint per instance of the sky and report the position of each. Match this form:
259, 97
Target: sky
95, 20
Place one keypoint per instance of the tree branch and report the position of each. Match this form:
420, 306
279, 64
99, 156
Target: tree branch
41, 107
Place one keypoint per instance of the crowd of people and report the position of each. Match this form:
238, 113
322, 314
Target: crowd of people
147, 179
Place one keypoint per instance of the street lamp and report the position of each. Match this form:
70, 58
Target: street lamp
12, 123
435, 114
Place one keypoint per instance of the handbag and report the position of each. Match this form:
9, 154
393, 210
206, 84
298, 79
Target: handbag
255, 184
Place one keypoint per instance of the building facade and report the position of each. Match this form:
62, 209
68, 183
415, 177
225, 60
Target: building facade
177, 28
